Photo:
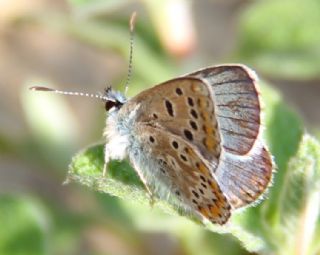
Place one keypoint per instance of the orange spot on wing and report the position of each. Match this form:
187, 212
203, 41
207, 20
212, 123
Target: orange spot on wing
187, 150
202, 168
208, 129
205, 115
210, 143
201, 103
214, 186
205, 212
214, 211
195, 87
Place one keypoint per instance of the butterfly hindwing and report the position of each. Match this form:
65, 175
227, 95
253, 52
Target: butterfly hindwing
245, 178
172, 165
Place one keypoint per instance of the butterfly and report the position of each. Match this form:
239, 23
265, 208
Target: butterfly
195, 140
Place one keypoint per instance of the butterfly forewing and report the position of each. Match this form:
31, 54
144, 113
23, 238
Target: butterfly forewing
183, 107
181, 169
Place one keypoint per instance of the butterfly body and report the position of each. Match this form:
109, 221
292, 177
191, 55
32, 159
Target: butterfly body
194, 140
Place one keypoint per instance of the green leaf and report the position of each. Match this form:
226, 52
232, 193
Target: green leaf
283, 133
24, 227
300, 201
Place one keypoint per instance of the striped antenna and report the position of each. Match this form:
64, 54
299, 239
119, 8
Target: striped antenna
131, 24
69, 93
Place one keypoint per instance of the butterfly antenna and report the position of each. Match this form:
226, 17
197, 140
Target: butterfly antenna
131, 24
69, 93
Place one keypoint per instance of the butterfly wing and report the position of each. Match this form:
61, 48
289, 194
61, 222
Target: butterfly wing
245, 167
183, 107
237, 105
171, 165
244, 178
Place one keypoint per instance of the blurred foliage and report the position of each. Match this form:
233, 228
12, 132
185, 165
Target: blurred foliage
25, 230
282, 38
276, 38
89, 8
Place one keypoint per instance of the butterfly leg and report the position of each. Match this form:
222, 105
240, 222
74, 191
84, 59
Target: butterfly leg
106, 162
147, 188
150, 194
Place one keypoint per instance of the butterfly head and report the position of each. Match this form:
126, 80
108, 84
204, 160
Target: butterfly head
113, 99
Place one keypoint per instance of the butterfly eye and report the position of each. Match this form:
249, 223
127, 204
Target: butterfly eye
110, 104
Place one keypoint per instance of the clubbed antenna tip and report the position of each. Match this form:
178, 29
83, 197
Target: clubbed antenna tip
38, 88
132, 21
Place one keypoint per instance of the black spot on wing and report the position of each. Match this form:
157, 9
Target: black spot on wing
169, 107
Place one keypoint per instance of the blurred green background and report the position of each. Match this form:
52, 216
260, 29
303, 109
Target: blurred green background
82, 45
